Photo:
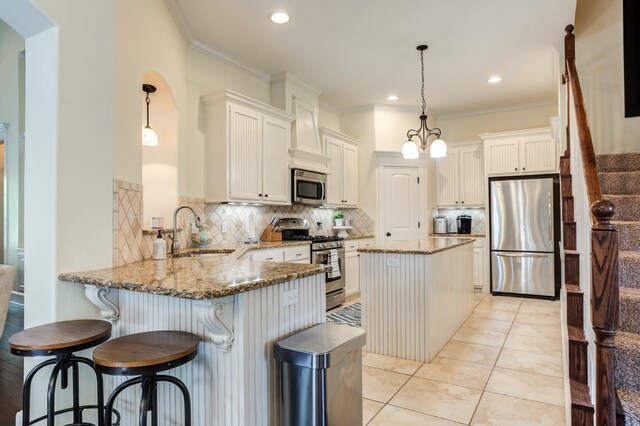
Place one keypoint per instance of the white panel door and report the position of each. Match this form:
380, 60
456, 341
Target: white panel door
502, 157
306, 125
472, 182
401, 204
350, 175
447, 175
334, 178
245, 165
276, 176
538, 154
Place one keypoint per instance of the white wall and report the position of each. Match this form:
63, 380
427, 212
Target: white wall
11, 87
464, 127
392, 125
599, 60
328, 118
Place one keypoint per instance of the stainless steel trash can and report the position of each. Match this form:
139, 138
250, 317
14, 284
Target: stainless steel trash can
321, 376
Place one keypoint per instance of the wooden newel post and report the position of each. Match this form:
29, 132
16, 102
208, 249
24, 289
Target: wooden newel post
604, 307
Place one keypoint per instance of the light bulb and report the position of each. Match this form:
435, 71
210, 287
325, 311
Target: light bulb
149, 137
279, 17
410, 150
438, 149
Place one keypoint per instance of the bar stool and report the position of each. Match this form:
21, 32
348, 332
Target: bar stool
145, 355
61, 339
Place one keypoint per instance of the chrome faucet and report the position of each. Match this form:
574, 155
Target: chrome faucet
175, 245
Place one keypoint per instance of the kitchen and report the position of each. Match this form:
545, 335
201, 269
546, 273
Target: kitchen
348, 147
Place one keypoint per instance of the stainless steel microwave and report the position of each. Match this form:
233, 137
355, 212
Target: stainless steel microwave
308, 187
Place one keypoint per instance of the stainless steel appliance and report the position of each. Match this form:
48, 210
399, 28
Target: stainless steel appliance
440, 225
308, 187
464, 224
296, 229
524, 235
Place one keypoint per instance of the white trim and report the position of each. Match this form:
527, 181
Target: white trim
180, 20
208, 50
285, 75
511, 133
332, 133
395, 159
237, 98
414, 109
492, 110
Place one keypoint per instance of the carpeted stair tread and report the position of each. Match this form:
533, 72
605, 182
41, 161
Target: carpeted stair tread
620, 183
630, 310
631, 404
628, 235
629, 269
627, 207
627, 353
626, 162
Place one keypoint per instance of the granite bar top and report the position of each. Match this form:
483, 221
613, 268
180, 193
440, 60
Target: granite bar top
427, 246
199, 273
455, 235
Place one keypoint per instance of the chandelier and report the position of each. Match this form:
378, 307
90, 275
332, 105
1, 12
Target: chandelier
438, 146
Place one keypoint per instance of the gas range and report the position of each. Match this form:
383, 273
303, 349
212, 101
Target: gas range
318, 242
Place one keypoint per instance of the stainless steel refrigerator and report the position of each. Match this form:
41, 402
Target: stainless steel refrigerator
524, 235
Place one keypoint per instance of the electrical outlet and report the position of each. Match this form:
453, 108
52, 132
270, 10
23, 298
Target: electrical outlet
394, 262
225, 227
291, 297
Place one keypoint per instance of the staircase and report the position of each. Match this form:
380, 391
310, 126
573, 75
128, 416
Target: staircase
620, 182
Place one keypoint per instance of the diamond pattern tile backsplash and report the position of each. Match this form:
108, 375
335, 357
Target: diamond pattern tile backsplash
131, 244
479, 220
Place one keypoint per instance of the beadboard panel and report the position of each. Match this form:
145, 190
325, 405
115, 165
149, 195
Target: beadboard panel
237, 387
412, 310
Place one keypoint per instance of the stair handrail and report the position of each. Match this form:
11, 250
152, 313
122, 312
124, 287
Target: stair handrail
604, 250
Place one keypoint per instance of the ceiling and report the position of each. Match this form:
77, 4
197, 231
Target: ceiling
357, 52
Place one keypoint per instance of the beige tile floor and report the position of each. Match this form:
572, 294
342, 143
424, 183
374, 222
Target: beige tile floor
503, 367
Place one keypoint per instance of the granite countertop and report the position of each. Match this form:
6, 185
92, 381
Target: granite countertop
427, 246
238, 250
199, 273
455, 235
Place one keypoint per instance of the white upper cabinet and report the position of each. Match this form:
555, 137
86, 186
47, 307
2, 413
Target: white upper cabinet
460, 176
342, 179
246, 150
520, 152
305, 130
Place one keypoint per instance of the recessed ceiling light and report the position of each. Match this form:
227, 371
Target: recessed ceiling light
392, 98
494, 80
279, 17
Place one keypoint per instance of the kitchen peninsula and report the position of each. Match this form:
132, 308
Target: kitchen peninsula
415, 295
238, 308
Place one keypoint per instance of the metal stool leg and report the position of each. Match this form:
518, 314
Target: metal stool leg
51, 393
185, 395
100, 388
26, 391
77, 414
145, 400
108, 410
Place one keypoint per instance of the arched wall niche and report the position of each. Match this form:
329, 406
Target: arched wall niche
160, 163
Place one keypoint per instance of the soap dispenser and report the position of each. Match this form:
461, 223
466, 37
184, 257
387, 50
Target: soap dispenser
159, 247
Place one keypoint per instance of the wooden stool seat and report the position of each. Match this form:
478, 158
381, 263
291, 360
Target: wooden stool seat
141, 353
60, 337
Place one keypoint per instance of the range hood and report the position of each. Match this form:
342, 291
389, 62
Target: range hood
301, 100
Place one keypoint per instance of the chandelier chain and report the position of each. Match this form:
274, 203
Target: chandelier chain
424, 103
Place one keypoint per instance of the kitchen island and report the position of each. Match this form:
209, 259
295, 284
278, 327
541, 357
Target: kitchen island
415, 295
238, 308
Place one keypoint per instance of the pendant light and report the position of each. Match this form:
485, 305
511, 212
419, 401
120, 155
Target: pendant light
438, 146
149, 136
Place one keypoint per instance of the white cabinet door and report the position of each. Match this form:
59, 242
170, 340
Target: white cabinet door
334, 178
472, 180
352, 273
478, 267
350, 175
306, 127
538, 154
276, 176
502, 157
268, 255
245, 166
447, 174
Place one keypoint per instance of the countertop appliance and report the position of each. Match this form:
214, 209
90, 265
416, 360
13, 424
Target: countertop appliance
296, 229
464, 224
440, 225
524, 231
308, 187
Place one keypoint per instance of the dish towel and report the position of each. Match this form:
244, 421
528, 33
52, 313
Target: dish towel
335, 265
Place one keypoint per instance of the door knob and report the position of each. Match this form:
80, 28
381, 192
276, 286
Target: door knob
388, 234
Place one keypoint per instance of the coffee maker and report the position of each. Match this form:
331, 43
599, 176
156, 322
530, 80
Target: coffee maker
464, 224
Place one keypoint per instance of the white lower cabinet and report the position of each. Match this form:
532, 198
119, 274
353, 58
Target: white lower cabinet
479, 261
352, 264
296, 254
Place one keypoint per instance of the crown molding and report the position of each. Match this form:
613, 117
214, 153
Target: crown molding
492, 110
180, 20
286, 75
208, 50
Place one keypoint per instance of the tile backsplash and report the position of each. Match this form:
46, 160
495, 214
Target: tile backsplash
479, 220
131, 245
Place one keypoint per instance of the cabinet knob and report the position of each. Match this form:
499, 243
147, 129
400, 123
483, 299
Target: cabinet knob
516, 168
456, 202
266, 195
462, 202
388, 234
259, 195
524, 168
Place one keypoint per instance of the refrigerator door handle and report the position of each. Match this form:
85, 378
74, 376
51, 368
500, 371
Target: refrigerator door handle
550, 218
521, 255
